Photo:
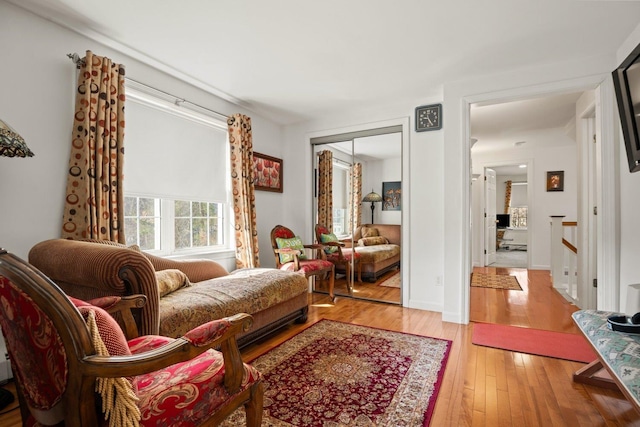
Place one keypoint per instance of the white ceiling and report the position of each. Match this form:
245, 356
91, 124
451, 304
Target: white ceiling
292, 60
501, 126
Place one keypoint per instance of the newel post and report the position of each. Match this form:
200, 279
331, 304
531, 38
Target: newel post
557, 254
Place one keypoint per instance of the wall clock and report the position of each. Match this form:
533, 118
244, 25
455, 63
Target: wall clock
428, 117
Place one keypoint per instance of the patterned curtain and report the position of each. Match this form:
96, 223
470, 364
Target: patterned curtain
94, 201
242, 187
355, 197
325, 189
507, 197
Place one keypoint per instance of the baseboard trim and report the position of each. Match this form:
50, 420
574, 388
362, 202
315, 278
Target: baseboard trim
425, 305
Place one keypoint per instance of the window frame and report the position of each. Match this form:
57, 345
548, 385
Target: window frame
167, 103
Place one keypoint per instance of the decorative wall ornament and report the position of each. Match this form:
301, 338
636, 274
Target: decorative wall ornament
267, 173
555, 181
392, 196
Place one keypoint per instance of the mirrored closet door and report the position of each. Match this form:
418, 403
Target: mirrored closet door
357, 211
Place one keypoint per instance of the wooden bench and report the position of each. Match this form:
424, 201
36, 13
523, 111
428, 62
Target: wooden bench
618, 363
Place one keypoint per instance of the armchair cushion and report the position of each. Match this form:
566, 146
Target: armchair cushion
170, 280
26, 327
372, 241
308, 265
326, 238
108, 328
294, 243
173, 395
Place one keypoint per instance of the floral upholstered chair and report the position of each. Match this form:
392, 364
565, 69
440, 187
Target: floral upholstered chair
290, 255
338, 254
74, 366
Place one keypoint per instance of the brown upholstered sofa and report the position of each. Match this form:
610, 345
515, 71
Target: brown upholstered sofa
90, 269
377, 255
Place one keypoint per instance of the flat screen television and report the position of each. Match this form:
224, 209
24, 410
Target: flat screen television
503, 220
626, 80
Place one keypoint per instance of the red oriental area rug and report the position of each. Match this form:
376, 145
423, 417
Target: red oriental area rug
533, 341
340, 374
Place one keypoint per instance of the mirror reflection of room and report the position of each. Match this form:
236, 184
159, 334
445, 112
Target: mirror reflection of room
365, 221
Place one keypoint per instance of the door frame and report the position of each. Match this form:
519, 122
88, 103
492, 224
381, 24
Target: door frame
405, 271
608, 223
530, 204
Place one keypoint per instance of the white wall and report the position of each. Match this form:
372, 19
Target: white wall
543, 203
37, 88
629, 201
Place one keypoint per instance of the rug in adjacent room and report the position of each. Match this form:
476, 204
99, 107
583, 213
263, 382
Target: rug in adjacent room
336, 373
392, 281
495, 281
559, 345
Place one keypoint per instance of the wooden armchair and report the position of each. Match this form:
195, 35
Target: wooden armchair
61, 350
289, 253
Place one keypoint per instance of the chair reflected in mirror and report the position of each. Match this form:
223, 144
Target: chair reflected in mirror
339, 254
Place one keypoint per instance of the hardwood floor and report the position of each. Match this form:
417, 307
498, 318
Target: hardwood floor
365, 289
484, 386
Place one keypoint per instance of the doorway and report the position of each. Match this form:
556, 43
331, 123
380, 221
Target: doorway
555, 145
507, 211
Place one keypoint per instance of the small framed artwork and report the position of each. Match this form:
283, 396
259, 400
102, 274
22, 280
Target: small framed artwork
555, 181
267, 173
392, 196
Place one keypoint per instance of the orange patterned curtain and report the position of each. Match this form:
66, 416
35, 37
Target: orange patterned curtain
355, 197
325, 189
94, 197
507, 197
242, 187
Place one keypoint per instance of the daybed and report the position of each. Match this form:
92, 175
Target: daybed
379, 248
91, 269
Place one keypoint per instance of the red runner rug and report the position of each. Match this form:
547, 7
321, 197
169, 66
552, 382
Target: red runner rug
338, 374
533, 341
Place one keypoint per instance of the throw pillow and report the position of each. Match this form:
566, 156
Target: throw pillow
170, 280
109, 330
371, 241
293, 243
326, 238
370, 232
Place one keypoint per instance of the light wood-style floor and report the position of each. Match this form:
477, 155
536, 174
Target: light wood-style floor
484, 386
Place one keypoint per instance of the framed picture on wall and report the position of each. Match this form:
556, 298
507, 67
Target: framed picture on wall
392, 196
267, 173
555, 181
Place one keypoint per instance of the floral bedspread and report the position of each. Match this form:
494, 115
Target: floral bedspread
249, 290
618, 350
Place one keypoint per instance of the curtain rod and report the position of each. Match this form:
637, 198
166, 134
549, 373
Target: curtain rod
76, 59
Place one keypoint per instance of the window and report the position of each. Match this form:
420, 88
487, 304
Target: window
518, 217
142, 222
197, 224
340, 197
176, 176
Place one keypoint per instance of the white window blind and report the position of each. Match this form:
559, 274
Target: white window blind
518, 195
173, 154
